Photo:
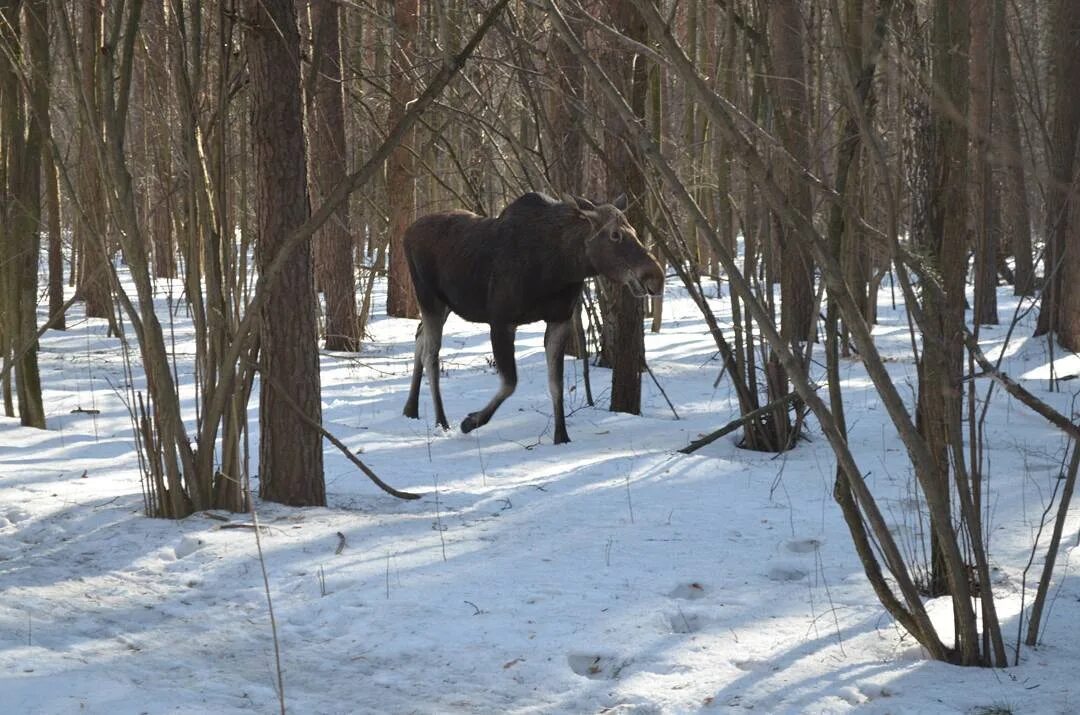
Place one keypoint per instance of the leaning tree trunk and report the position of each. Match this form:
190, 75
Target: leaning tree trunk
290, 458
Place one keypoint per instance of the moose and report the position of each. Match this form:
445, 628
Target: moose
528, 264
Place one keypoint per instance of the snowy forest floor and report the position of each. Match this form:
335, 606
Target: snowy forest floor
609, 575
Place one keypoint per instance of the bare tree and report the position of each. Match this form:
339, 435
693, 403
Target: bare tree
401, 171
326, 128
290, 459
985, 199
625, 315
1059, 311
20, 181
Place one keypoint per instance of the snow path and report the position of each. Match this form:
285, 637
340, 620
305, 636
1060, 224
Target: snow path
608, 575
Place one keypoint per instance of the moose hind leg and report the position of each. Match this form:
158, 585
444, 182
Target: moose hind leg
502, 347
426, 358
433, 322
555, 338
412, 404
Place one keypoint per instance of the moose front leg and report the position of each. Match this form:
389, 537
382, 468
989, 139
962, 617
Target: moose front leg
555, 338
502, 348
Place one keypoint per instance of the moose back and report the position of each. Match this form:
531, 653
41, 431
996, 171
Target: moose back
528, 264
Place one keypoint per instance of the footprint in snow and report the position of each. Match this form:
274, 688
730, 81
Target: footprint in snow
187, 546
804, 546
688, 591
751, 664
596, 666
13, 516
786, 573
682, 622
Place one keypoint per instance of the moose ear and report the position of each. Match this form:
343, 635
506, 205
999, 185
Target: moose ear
584, 204
620, 202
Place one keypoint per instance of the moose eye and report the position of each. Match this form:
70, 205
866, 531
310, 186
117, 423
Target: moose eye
616, 236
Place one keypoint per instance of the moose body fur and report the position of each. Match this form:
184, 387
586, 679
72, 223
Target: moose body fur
528, 264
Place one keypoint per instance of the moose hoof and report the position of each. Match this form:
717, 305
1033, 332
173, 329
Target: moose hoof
469, 424
411, 411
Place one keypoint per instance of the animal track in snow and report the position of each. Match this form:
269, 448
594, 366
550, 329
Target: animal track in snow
13, 516
688, 591
682, 622
596, 667
188, 545
804, 546
750, 664
786, 573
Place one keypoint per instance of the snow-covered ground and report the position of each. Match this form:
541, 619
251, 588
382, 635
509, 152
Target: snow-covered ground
612, 574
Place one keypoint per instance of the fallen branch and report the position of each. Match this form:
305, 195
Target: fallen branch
336, 442
737, 423
1018, 391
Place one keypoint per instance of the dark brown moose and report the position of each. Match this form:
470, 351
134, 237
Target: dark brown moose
528, 264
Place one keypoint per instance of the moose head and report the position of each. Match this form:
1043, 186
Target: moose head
613, 249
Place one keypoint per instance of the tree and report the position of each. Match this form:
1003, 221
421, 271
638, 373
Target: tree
290, 459
986, 201
401, 169
626, 313
91, 244
786, 40
326, 128
1059, 312
945, 247
20, 146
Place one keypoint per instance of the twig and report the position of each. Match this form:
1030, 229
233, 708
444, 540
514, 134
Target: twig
270, 609
658, 387
438, 517
340, 544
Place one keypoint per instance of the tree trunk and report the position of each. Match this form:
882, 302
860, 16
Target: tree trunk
326, 127
1059, 311
94, 254
1015, 212
290, 458
786, 36
946, 241
50, 179
159, 179
627, 313
401, 168
21, 141
986, 200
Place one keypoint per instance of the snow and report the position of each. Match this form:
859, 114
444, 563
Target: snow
609, 575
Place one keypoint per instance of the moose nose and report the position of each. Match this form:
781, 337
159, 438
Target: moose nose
652, 280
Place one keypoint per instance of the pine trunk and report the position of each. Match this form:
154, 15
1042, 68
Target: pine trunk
290, 457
